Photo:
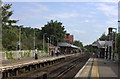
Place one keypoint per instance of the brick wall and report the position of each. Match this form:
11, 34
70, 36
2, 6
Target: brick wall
68, 38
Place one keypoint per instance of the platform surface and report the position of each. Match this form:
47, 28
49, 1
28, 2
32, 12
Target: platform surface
12, 64
98, 68
107, 68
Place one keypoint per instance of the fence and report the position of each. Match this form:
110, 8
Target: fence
24, 53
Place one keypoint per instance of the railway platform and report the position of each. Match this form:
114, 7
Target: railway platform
28, 60
12, 68
31, 60
97, 68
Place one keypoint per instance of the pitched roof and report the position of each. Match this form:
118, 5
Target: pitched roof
62, 44
102, 44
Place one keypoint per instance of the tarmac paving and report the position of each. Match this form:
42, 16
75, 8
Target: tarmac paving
30, 59
99, 68
107, 68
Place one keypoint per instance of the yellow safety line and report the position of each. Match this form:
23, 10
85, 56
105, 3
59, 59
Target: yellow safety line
95, 69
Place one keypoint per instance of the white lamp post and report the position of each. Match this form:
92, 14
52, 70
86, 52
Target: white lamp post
34, 44
48, 45
19, 43
118, 27
34, 39
57, 41
43, 41
51, 39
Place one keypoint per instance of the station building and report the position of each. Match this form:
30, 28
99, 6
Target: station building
106, 47
68, 38
67, 48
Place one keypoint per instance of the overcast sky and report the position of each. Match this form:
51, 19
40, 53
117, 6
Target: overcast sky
85, 20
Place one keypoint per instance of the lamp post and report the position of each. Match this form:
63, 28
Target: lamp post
119, 30
118, 27
34, 43
115, 36
34, 39
48, 45
105, 50
57, 41
115, 40
43, 42
105, 53
118, 36
19, 43
51, 39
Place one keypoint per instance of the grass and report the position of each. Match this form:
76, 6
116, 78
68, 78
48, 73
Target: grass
26, 54
9, 55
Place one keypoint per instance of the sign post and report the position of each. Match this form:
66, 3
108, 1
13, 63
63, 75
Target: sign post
119, 17
118, 37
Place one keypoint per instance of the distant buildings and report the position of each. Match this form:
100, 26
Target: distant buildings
68, 38
107, 48
67, 46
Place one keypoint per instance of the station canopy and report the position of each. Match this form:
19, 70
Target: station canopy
62, 44
102, 44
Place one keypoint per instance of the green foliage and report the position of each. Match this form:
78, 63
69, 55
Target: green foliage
78, 43
6, 14
54, 28
10, 33
118, 45
26, 54
103, 37
46, 50
9, 55
9, 39
89, 48
113, 55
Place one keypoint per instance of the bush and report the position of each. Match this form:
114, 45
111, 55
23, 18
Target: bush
113, 54
9, 55
26, 54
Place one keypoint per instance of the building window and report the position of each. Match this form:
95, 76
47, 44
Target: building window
67, 36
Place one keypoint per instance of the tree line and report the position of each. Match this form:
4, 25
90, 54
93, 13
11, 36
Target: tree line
10, 33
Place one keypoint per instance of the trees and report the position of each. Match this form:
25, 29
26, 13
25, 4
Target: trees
118, 45
10, 32
9, 35
103, 37
90, 48
54, 28
78, 43
6, 14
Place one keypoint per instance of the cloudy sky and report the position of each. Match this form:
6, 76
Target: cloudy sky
85, 20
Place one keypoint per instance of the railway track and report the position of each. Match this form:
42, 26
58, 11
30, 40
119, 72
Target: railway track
60, 70
69, 70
